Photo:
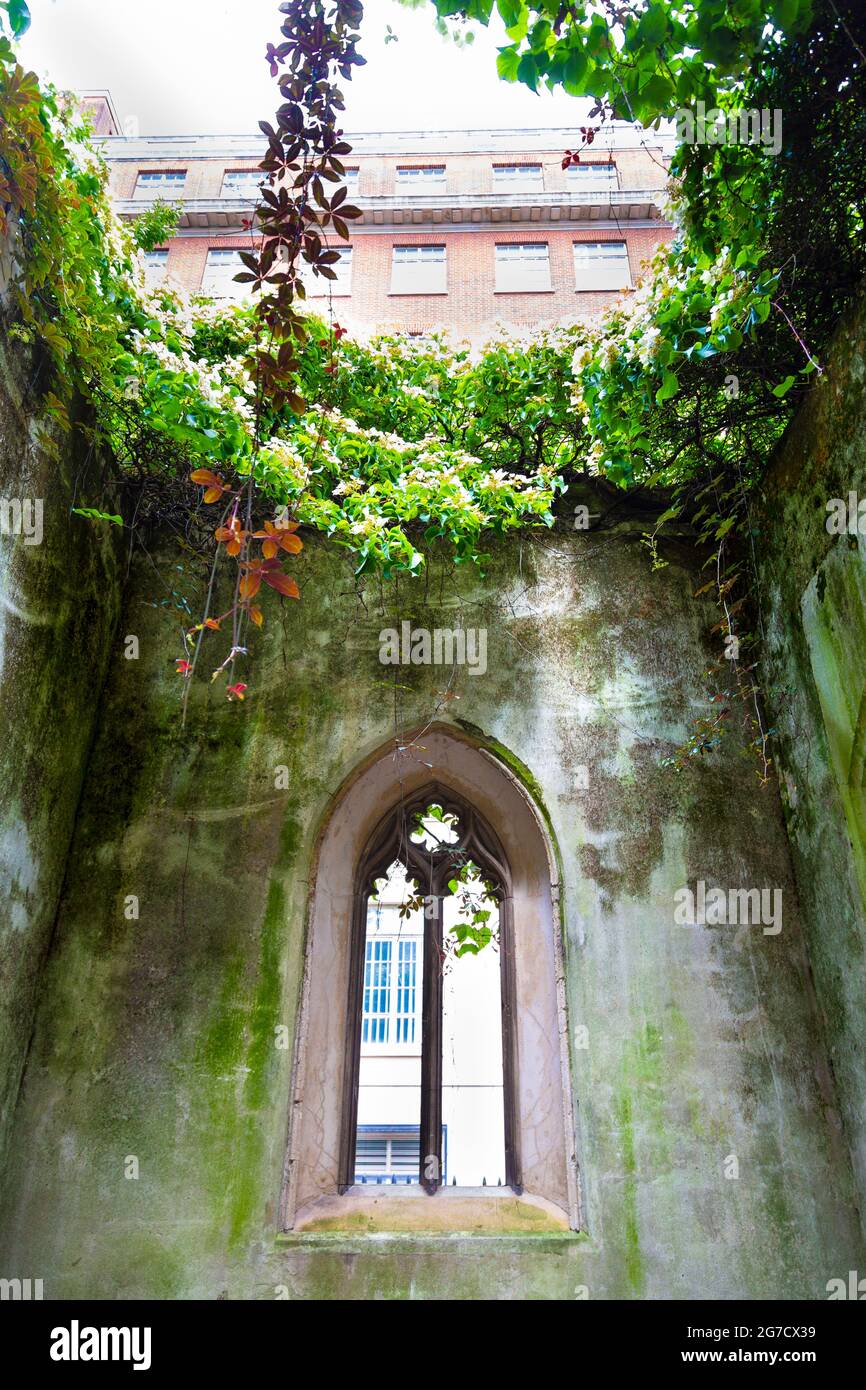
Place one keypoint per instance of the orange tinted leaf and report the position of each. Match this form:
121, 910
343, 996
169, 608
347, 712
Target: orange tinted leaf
257, 615
283, 584
213, 494
206, 477
293, 544
250, 584
269, 548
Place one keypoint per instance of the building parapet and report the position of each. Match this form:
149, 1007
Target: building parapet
431, 210
618, 136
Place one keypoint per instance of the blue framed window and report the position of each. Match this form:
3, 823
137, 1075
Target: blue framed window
377, 992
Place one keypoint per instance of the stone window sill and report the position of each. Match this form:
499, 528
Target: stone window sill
409, 1211
456, 1242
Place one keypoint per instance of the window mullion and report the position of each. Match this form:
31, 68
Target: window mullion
431, 1043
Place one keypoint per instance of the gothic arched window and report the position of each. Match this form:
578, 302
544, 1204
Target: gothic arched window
430, 1048
432, 1033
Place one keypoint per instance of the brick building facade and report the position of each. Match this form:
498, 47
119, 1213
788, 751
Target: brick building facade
463, 229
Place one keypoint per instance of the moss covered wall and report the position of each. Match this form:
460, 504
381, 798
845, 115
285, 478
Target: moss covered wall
59, 601
155, 1038
814, 670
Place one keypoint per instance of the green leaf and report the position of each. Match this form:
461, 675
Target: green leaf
527, 71
573, 72
656, 95
92, 514
507, 63
784, 386
511, 11
19, 17
669, 387
652, 27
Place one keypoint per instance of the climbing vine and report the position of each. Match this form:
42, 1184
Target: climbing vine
241, 425
688, 385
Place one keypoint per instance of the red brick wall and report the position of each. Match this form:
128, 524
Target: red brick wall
472, 301
204, 177
99, 111
471, 304
466, 174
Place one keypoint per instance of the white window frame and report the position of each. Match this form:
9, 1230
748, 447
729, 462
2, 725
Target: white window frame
521, 268
319, 287
157, 183
248, 185
351, 180
594, 177
222, 285
419, 269
426, 178
518, 178
155, 267
601, 265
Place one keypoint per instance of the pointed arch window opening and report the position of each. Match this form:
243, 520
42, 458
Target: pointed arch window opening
431, 997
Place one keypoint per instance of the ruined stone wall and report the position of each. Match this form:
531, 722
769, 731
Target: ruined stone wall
814, 671
155, 1036
59, 601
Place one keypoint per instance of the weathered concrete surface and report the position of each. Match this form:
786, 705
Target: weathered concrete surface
814, 673
59, 600
156, 1037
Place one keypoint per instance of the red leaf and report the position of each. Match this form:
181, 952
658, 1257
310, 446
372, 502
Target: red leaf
283, 583
250, 584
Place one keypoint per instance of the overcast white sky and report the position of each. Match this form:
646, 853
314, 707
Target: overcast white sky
197, 67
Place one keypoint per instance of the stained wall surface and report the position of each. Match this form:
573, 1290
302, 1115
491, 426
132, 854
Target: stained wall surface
706, 1124
59, 603
814, 622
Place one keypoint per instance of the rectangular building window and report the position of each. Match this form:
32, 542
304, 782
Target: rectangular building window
518, 178
419, 270
162, 183
430, 179
522, 266
223, 264
407, 991
601, 265
318, 285
593, 178
350, 179
376, 1024
243, 183
155, 266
